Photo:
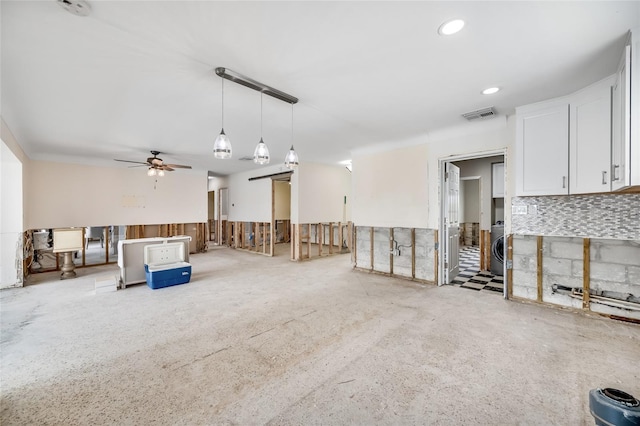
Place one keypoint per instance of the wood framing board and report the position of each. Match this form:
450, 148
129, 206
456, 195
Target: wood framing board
435, 254
391, 252
330, 237
539, 272
371, 245
354, 252
413, 253
510, 270
272, 238
482, 265
586, 274
319, 237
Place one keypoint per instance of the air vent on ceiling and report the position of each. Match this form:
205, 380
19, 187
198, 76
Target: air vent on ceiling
481, 113
245, 158
76, 7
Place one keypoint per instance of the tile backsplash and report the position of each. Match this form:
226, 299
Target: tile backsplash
594, 216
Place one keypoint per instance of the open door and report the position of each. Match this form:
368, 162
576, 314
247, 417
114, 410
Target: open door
451, 222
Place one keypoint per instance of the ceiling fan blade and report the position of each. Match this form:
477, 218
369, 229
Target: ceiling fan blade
135, 162
166, 167
178, 166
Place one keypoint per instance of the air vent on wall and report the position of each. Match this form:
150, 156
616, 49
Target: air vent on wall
481, 113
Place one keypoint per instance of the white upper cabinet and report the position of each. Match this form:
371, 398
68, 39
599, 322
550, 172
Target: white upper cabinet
497, 180
590, 139
621, 124
625, 146
542, 148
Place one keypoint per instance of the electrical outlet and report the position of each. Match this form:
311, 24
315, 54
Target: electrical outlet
518, 209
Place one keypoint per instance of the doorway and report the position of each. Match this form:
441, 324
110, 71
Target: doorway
471, 225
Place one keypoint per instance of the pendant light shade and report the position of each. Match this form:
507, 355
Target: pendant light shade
261, 154
222, 144
291, 160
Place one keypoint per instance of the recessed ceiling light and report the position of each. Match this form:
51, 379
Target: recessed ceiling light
490, 90
451, 27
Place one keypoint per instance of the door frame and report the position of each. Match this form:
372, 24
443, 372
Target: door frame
441, 201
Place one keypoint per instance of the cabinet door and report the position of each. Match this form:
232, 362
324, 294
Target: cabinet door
497, 180
590, 139
621, 125
542, 150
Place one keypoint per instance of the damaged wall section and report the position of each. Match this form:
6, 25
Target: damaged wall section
403, 252
600, 275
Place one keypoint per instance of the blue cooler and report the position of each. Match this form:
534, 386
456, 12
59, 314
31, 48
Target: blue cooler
164, 265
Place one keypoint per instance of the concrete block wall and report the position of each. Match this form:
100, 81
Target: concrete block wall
525, 267
363, 247
425, 254
402, 262
381, 251
562, 265
615, 271
424, 250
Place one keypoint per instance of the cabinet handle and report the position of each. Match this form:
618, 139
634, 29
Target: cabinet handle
616, 168
604, 177
564, 182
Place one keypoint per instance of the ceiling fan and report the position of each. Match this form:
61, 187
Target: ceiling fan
155, 164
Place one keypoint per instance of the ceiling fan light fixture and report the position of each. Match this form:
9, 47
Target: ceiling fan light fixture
261, 154
151, 171
160, 172
291, 159
222, 146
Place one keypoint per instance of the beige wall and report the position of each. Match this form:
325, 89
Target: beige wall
62, 195
282, 195
400, 187
390, 188
250, 201
318, 191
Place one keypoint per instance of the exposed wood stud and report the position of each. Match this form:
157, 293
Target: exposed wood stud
482, 265
371, 245
586, 274
413, 252
539, 252
354, 252
510, 270
319, 237
391, 239
436, 253
330, 237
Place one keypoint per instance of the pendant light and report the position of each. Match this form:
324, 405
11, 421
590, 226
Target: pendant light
222, 145
261, 154
291, 159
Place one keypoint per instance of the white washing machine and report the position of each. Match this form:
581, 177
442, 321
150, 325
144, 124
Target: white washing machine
497, 249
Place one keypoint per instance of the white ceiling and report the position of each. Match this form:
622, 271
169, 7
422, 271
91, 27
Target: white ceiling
137, 76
